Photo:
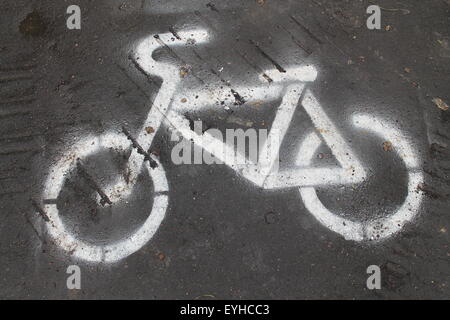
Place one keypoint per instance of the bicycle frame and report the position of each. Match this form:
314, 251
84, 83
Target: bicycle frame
292, 86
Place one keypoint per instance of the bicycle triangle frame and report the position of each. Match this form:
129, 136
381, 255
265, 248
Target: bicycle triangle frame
263, 173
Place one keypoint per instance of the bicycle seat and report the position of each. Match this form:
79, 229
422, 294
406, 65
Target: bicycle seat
305, 73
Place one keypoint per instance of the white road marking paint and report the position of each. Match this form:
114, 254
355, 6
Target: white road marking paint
122, 189
262, 174
385, 227
160, 106
376, 229
208, 98
257, 173
351, 170
120, 249
294, 74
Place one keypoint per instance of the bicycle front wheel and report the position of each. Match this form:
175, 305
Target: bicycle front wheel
89, 251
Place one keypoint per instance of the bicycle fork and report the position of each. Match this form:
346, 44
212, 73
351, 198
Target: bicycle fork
159, 108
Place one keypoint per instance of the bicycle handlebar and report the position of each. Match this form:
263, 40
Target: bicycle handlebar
146, 48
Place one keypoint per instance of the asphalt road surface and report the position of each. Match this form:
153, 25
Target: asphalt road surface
363, 170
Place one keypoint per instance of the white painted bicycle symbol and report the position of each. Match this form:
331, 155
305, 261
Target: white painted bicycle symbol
292, 87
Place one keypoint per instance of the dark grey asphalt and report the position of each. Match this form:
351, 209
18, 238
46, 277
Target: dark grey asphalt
223, 237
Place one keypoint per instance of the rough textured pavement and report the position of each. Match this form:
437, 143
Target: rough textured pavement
223, 237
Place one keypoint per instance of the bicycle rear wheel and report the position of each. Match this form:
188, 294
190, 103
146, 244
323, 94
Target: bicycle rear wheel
376, 228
